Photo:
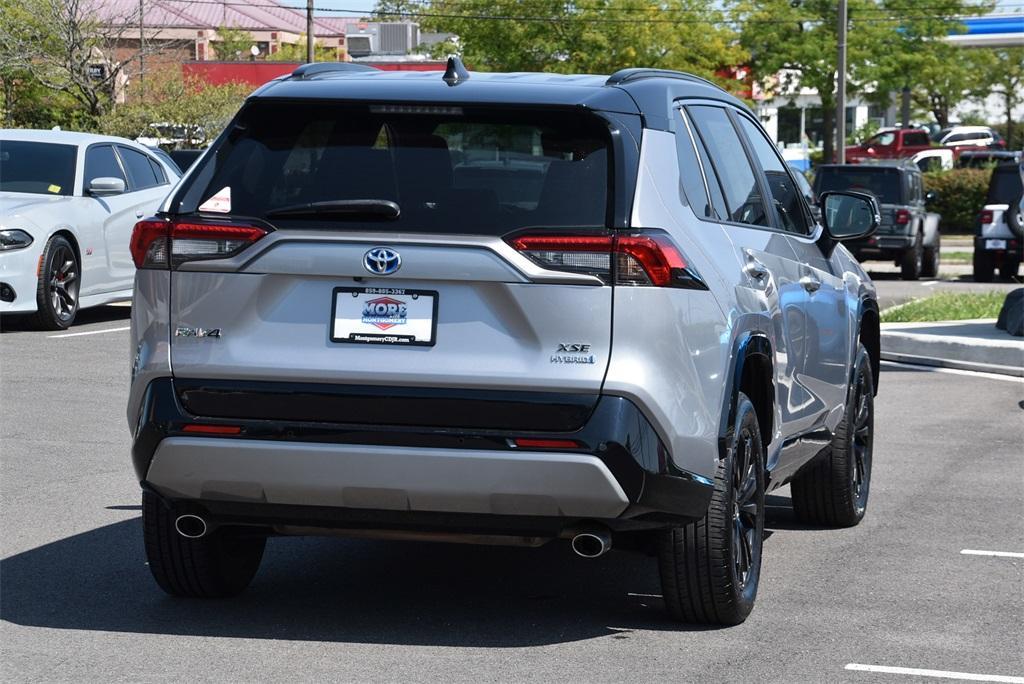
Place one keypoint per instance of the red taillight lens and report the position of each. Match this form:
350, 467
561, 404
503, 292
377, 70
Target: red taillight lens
524, 443
644, 258
198, 428
987, 216
902, 217
165, 244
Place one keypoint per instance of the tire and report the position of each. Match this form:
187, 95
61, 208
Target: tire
58, 286
834, 492
1014, 218
710, 569
931, 257
1008, 266
220, 564
912, 261
984, 266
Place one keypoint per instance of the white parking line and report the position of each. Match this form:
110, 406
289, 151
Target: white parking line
90, 332
943, 674
953, 371
1000, 554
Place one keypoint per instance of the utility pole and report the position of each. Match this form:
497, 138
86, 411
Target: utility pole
841, 87
309, 31
142, 51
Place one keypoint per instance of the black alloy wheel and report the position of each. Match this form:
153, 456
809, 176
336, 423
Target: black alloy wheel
58, 286
747, 516
863, 438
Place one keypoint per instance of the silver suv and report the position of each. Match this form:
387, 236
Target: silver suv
498, 308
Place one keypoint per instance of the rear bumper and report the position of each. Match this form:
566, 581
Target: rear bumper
276, 472
880, 246
1012, 245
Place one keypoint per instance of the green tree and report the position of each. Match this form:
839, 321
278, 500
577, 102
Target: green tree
232, 42
591, 36
1004, 77
296, 52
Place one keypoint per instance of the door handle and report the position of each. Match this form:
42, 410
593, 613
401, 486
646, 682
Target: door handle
810, 283
755, 269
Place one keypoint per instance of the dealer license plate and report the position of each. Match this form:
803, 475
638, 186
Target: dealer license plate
384, 315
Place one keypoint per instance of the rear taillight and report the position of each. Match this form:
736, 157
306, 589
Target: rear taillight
902, 217
167, 244
987, 216
640, 258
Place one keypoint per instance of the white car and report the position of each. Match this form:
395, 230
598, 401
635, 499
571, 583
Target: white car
68, 204
959, 136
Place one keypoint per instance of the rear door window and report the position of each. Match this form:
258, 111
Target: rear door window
739, 183
916, 139
449, 169
884, 184
35, 167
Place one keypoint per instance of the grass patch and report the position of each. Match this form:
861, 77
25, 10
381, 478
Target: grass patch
947, 306
956, 257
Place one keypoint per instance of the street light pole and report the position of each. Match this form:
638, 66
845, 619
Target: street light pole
309, 31
142, 51
841, 87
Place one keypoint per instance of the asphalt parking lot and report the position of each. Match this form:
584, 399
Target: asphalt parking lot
77, 601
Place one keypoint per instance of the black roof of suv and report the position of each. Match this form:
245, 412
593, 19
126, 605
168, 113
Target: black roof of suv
648, 92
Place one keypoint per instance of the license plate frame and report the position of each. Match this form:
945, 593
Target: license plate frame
995, 244
359, 330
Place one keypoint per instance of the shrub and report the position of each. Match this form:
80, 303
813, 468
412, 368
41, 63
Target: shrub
961, 193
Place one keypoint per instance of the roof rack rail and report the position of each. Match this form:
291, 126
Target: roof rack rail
637, 73
308, 71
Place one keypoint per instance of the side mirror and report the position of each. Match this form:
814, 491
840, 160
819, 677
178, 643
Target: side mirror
930, 196
849, 215
101, 187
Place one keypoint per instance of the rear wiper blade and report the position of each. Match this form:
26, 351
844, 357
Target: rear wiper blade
356, 208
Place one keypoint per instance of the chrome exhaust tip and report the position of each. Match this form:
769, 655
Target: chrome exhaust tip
190, 526
592, 544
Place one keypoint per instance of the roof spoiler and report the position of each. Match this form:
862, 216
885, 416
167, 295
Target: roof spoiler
314, 69
638, 73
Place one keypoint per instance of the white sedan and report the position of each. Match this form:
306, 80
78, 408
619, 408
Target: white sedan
68, 203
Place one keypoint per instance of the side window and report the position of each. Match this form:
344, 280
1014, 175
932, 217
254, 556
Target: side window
140, 171
100, 162
739, 184
690, 176
785, 195
158, 171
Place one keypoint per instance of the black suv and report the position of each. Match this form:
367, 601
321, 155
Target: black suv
908, 234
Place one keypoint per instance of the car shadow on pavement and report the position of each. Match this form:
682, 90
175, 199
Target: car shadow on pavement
343, 590
97, 314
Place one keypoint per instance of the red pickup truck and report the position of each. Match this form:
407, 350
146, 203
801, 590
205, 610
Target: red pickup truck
891, 143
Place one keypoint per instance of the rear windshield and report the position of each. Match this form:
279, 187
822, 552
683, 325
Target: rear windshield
449, 169
35, 167
1005, 186
884, 184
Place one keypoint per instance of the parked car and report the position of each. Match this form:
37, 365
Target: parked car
185, 158
353, 317
935, 159
908, 234
890, 143
68, 203
974, 136
973, 159
999, 236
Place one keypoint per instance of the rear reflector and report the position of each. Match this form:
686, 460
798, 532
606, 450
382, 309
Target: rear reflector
523, 443
163, 244
212, 429
646, 257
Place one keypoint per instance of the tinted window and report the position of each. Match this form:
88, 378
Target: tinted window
161, 177
482, 171
884, 184
785, 195
1005, 186
742, 195
916, 139
690, 172
41, 168
100, 162
140, 171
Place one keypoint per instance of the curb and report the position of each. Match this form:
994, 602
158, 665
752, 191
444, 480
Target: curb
966, 345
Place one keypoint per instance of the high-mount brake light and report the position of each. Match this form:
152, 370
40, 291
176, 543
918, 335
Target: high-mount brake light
646, 257
157, 243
